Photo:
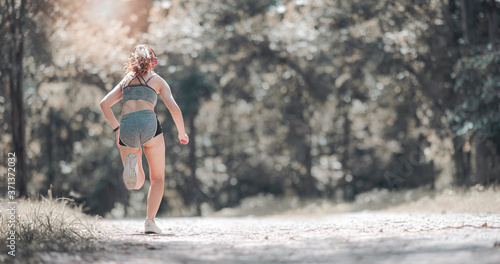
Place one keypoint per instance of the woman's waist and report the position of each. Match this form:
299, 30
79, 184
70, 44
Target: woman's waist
132, 106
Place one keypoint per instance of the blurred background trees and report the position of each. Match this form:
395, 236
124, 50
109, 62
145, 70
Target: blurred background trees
308, 98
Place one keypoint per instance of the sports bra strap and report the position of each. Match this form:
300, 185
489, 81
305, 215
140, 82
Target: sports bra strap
139, 79
128, 82
151, 78
145, 83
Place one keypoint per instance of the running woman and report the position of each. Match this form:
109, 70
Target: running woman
140, 127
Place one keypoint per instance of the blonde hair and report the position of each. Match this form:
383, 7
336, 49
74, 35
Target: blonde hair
140, 60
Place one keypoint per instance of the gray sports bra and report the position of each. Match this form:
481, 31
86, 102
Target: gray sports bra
140, 92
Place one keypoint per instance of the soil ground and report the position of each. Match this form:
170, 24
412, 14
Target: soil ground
362, 237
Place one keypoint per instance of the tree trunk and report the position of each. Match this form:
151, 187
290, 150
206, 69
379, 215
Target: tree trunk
16, 92
464, 22
462, 162
195, 187
308, 180
347, 135
478, 164
492, 15
299, 133
49, 154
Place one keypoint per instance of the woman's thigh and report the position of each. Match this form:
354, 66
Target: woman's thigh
155, 154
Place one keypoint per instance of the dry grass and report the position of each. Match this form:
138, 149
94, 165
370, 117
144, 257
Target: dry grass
475, 200
43, 225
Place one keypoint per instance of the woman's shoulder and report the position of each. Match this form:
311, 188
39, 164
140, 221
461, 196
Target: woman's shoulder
155, 77
128, 77
153, 73
157, 82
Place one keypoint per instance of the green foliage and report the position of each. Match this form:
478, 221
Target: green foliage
477, 85
231, 11
191, 90
283, 97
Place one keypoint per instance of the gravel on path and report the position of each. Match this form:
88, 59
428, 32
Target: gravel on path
364, 237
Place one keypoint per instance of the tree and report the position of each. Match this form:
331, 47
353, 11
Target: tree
491, 9
192, 90
13, 28
464, 21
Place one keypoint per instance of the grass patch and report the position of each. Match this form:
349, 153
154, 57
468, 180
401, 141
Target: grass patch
44, 224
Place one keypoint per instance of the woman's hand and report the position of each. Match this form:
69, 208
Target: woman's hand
184, 138
118, 138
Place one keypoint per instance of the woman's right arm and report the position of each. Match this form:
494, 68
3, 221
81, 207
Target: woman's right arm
175, 111
108, 101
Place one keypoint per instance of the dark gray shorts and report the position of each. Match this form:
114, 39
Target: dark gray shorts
138, 128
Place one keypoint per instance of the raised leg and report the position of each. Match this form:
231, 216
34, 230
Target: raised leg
124, 151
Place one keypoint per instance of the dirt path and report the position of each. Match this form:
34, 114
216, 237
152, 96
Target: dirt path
365, 237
